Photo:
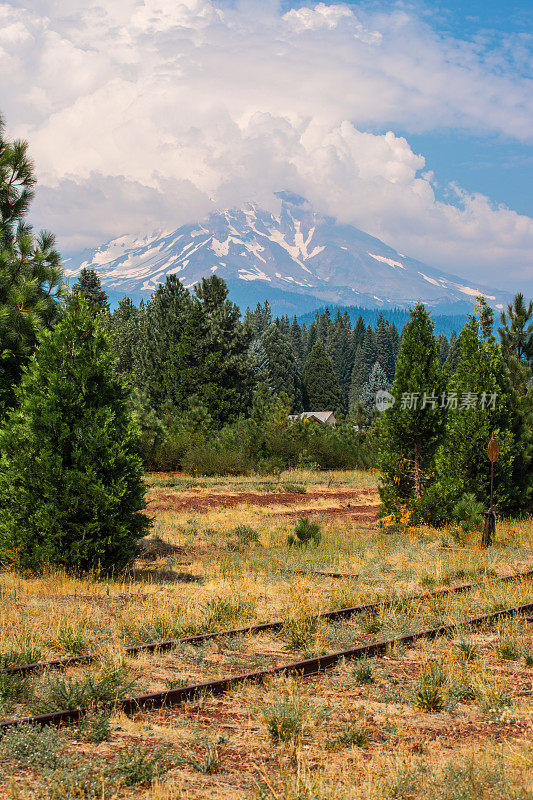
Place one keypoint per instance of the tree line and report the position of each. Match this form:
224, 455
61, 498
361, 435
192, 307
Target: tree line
89, 398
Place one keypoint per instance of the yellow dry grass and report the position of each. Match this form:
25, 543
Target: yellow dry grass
374, 739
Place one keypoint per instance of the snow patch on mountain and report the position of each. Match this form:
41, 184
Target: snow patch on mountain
299, 254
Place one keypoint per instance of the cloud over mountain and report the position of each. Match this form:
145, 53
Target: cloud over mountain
153, 113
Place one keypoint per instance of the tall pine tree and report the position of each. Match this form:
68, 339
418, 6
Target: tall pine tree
30, 269
70, 478
412, 426
281, 367
321, 388
90, 286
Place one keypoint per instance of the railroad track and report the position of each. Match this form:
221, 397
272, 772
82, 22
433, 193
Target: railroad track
328, 616
305, 668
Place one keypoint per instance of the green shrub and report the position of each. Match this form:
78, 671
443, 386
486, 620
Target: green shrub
205, 459
363, 673
300, 631
285, 718
58, 693
351, 734
305, 532
70, 476
95, 727
139, 765
77, 782
15, 687
27, 745
468, 513
242, 537
430, 697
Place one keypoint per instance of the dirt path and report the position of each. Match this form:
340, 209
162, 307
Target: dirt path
366, 504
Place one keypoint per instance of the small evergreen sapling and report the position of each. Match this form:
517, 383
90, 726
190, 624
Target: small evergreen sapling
70, 476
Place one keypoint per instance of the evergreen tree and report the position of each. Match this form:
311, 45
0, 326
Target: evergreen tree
364, 360
339, 350
461, 464
516, 330
260, 319
125, 333
321, 388
295, 338
226, 368
70, 477
323, 326
282, 371
284, 325
412, 426
454, 354
171, 350
358, 334
384, 347
443, 348
90, 286
30, 269
377, 382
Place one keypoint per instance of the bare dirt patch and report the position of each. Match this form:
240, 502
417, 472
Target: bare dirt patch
171, 501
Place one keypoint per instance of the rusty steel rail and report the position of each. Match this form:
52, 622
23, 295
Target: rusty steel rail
305, 668
170, 644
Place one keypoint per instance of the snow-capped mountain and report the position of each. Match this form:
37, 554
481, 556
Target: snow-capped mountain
297, 260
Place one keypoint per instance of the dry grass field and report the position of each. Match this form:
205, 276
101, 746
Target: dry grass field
451, 718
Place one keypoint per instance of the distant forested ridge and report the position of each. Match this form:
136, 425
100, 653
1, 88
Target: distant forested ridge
445, 324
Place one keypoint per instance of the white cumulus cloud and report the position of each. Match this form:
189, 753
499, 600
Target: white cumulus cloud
149, 113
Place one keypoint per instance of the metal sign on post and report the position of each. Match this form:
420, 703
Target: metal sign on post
489, 527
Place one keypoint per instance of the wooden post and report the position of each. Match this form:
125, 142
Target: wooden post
489, 526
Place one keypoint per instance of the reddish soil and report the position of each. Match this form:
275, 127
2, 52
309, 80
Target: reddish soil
170, 501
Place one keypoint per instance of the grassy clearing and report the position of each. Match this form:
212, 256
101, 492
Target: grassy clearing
442, 717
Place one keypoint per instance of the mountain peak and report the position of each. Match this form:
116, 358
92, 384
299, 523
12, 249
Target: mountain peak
297, 261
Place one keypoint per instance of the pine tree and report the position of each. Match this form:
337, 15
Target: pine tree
358, 333
461, 464
226, 367
363, 363
295, 338
384, 347
170, 353
70, 477
125, 333
30, 269
339, 350
444, 348
516, 330
259, 319
454, 354
90, 286
412, 426
377, 382
282, 371
321, 388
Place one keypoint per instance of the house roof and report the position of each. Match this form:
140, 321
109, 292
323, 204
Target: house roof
321, 416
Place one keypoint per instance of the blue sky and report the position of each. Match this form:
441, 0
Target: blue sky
497, 166
410, 120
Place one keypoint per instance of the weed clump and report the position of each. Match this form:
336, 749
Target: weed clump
363, 673
300, 631
107, 687
305, 532
351, 734
139, 765
285, 719
26, 745
430, 694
